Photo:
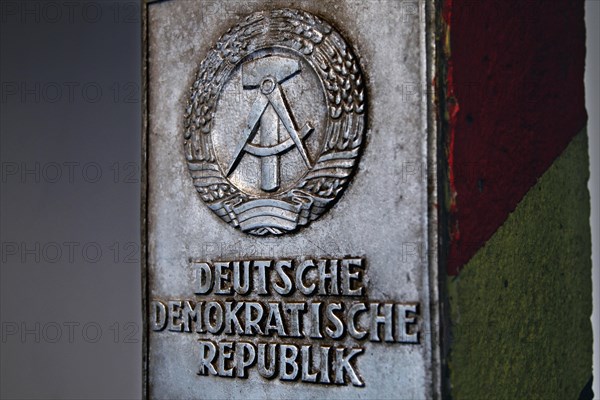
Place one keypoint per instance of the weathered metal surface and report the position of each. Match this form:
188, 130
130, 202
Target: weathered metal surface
289, 220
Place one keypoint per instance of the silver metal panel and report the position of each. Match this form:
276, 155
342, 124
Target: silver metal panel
290, 139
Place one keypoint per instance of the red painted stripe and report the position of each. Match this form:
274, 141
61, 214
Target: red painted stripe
516, 69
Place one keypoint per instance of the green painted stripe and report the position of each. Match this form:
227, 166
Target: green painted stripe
521, 307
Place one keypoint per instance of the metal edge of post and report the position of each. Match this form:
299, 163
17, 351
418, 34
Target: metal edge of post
429, 9
439, 168
144, 197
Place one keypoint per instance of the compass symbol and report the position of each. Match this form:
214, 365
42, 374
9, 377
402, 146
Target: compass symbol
268, 112
307, 105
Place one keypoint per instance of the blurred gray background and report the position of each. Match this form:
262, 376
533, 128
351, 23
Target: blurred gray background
70, 154
70, 122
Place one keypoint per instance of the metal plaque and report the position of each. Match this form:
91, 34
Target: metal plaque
289, 226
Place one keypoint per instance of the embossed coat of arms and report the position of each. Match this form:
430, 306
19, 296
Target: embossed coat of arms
275, 122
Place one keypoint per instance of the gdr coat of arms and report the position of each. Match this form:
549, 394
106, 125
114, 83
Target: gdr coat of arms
275, 121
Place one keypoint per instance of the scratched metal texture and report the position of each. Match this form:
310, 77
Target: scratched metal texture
384, 214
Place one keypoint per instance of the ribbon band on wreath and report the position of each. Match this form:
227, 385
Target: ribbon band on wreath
272, 216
